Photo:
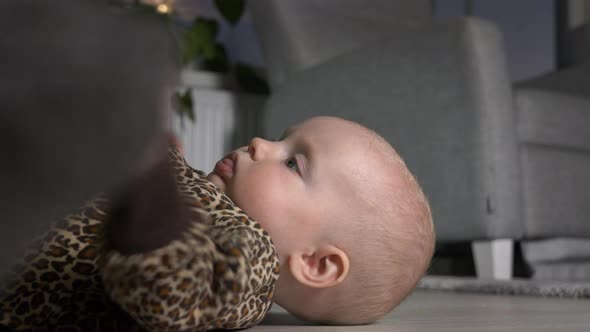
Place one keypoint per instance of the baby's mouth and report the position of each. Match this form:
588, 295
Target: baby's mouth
225, 168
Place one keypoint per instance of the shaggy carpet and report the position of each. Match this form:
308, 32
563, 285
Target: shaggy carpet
507, 287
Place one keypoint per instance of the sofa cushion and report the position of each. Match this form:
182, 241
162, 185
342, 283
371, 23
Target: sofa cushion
555, 109
555, 184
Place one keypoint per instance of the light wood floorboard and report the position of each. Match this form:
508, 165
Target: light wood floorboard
454, 312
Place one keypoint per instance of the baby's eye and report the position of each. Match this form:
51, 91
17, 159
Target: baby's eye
292, 164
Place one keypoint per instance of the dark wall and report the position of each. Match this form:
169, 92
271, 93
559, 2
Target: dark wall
528, 27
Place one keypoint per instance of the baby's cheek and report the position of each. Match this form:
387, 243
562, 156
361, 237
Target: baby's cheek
259, 193
254, 200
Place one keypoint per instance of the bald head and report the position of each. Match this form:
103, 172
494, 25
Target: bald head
380, 217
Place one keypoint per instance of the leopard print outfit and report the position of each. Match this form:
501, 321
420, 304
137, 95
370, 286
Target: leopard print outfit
220, 274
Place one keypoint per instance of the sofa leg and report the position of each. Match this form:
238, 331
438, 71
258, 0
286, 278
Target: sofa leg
493, 259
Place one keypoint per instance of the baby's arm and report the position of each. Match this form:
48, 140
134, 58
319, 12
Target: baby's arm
150, 214
196, 283
218, 271
56, 284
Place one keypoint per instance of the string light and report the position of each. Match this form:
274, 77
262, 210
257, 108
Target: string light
163, 8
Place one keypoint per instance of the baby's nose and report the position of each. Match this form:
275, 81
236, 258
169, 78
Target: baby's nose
259, 148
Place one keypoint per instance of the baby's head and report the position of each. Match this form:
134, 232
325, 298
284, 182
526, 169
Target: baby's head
351, 226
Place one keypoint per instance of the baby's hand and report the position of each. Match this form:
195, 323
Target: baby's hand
175, 142
150, 214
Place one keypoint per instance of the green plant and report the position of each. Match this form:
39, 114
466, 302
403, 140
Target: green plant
200, 48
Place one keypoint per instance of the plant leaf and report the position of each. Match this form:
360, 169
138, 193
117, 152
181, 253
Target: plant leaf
219, 63
199, 40
231, 10
183, 104
249, 80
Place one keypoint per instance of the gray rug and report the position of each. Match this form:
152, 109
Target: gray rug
509, 287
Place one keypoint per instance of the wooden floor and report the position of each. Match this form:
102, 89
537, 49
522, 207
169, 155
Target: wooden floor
453, 312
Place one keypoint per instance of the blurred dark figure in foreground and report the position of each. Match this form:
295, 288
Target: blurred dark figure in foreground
82, 94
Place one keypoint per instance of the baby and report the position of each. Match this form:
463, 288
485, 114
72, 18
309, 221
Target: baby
327, 222
351, 226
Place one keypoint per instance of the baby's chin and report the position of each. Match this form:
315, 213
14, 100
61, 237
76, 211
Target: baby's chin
217, 181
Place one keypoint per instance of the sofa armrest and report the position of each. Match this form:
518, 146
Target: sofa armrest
440, 94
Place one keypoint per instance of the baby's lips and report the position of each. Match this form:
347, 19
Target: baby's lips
229, 162
224, 168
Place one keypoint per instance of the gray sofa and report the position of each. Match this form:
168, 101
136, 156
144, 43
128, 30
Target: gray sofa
567, 257
497, 162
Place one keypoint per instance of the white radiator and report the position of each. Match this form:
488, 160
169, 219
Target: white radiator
224, 121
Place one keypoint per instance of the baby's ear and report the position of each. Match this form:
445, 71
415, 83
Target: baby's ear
323, 267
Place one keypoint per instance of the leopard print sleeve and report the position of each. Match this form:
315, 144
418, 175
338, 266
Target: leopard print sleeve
220, 274
56, 286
